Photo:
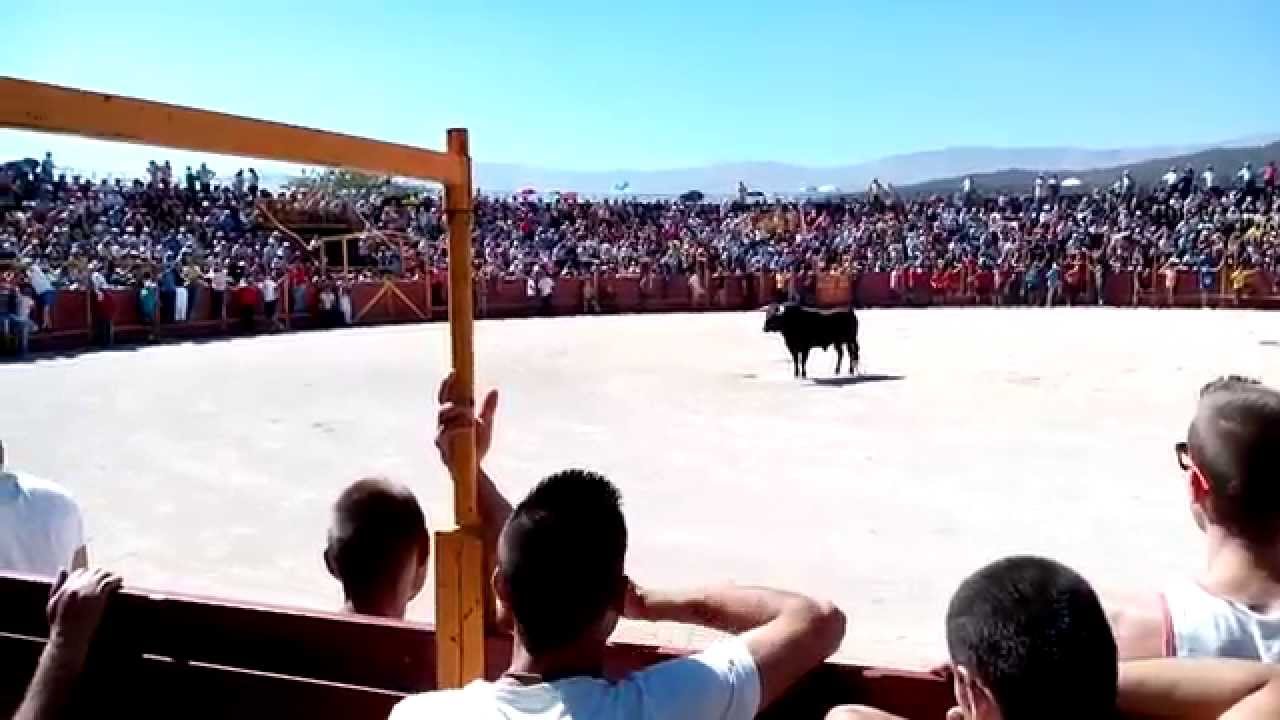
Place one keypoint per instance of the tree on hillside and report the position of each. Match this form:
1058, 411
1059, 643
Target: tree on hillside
341, 181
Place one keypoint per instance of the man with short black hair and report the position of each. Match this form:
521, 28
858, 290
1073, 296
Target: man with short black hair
1023, 629
1231, 458
1029, 640
560, 572
378, 547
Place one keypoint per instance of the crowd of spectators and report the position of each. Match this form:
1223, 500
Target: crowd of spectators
1026, 636
173, 237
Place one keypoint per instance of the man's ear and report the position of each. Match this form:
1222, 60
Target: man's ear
973, 696
501, 589
329, 563
1199, 485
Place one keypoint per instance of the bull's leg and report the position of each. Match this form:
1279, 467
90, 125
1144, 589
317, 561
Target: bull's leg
795, 363
853, 357
840, 357
804, 363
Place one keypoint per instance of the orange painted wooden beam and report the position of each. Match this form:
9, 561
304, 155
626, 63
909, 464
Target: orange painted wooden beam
50, 108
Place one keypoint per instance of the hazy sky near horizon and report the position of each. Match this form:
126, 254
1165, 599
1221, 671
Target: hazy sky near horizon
602, 86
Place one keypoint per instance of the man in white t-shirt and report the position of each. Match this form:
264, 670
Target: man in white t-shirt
270, 294
19, 324
559, 574
218, 289
1231, 458
41, 531
44, 292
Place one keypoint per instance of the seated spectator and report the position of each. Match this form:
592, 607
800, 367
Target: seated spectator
1232, 609
1029, 639
41, 531
75, 609
378, 547
559, 570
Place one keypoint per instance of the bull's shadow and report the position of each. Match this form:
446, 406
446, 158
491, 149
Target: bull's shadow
844, 380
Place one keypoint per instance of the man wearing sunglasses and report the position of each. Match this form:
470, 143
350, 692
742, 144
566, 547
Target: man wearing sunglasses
1231, 458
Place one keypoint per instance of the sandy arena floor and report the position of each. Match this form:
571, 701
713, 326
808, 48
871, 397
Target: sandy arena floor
209, 468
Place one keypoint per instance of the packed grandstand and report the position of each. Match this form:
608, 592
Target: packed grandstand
171, 237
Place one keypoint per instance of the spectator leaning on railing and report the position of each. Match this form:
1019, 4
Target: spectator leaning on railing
1029, 639
75, 610
558, 569
41, 529
1231, 459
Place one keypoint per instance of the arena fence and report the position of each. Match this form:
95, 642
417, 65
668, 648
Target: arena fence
398, 301
156, 652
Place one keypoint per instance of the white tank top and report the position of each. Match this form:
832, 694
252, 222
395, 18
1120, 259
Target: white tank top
1204, 625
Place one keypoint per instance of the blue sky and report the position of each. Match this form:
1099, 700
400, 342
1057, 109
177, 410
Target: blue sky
648, 85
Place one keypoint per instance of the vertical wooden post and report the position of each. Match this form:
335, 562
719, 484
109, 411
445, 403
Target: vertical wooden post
460, 553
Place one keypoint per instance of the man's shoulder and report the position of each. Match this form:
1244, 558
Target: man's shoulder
438, 703
37, 488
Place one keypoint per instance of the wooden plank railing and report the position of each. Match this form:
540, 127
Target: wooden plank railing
159, 654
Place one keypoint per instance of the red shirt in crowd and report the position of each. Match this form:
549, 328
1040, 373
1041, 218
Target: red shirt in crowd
247, 296
939, 281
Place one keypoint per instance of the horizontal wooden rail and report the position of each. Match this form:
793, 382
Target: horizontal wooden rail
50, 108
155, 652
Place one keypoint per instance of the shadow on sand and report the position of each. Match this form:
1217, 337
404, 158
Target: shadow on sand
845, 380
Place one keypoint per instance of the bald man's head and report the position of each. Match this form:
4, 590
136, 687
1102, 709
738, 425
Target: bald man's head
1235, 442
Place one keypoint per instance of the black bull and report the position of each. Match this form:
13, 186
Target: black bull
805, 328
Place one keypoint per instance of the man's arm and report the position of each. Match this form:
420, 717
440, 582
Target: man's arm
1140, 625
75, 610
1193, 689
787, 634
457, 416
494, 511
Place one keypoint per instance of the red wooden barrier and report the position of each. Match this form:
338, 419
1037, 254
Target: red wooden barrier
623, 294
507, 297
155, 651
566, 297
873, 290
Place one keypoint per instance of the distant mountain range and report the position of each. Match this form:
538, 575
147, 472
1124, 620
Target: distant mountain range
772, 177
1225, 161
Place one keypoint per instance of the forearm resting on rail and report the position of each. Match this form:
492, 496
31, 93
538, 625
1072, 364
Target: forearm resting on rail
787, 634
1193, 689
